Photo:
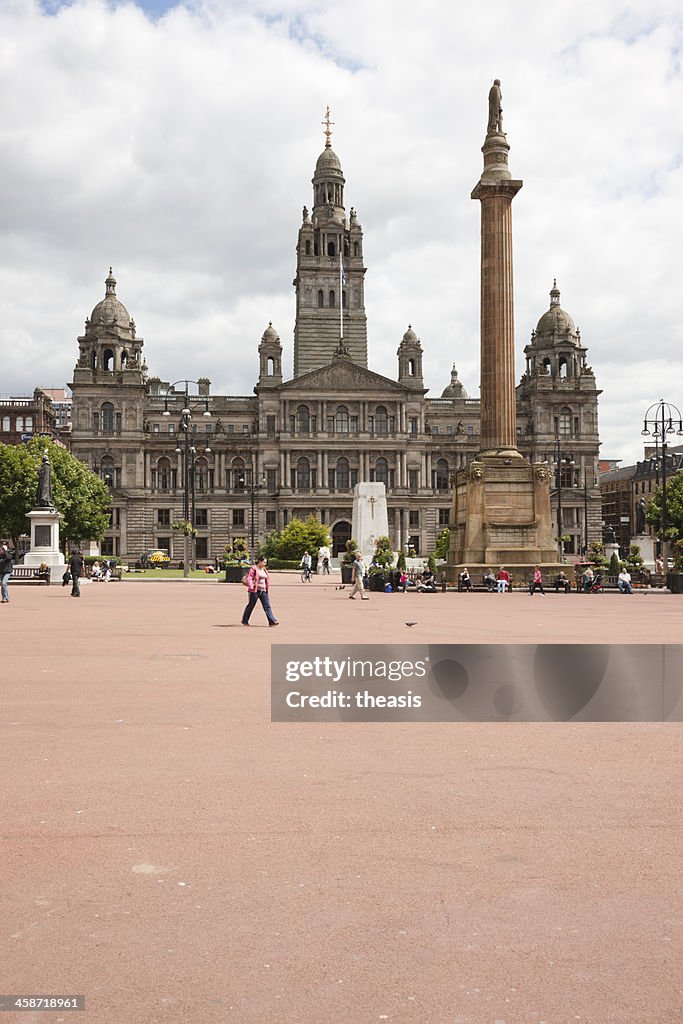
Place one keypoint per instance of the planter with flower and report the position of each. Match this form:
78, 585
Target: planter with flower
236, 560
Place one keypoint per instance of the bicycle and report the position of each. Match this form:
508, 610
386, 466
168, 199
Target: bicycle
306, 575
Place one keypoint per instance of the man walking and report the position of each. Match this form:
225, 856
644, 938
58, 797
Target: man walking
358, 574
76, 570
6, 566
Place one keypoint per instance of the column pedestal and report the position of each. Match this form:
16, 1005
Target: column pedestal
45, 543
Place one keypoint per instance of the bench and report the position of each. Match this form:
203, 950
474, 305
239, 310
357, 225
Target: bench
26, 574
478, 586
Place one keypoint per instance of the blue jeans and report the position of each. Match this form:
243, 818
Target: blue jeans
624, 587
4, 580
262, 596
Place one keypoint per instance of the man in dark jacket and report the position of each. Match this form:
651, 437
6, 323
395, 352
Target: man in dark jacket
76, 570
6, 566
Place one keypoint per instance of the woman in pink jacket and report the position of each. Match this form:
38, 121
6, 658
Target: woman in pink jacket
258, 583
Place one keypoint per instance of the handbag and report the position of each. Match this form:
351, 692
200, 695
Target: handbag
245, 579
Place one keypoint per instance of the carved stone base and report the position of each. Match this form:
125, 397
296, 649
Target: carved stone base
501, 516
45, 543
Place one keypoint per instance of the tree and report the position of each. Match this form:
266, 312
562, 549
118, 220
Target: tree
78, 494
674, 509
614, 565
299, 535
596, 554
634, 557
442, 542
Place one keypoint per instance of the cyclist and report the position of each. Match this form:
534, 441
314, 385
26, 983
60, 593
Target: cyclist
305, 568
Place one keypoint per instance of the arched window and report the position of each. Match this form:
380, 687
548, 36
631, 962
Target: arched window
303, 420
93, 360
331, 249
343, 474
441, 475
28, 423
411, 367
201, 474
107, 418
303, 475
381, 420
547, 365
124, 359
346, 247
239, 476
164, 474
270, 366
5, 423
563, 366
321, 298
308, 247
355, 248
19, 425
382, 472
344, 298
564, 423
332, 300
341, 424
108, 359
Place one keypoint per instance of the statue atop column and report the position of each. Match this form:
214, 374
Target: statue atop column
495, 124
44, 495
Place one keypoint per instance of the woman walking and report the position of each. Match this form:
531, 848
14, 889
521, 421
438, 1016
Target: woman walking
537, 582
258, 582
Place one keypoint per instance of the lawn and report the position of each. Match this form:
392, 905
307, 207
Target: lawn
170, 574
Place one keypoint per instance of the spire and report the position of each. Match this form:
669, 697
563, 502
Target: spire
554, 294
328, 129
110, 284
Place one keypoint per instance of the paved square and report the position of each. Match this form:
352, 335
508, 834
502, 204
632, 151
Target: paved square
174, 856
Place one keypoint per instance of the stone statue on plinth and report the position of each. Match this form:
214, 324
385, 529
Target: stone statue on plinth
44, 495
495, 124
640, 516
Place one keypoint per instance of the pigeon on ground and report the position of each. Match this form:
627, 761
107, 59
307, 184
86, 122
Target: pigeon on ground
411, 623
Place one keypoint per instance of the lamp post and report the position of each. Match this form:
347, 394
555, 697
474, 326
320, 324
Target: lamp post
559, 457
253, 490
665, 419
189, 449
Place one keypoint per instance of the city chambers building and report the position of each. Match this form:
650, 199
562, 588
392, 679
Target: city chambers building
243, 466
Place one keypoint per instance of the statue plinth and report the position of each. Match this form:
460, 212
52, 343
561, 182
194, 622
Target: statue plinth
501, 516
45, 543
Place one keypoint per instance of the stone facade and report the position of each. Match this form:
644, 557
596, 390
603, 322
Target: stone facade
293, 447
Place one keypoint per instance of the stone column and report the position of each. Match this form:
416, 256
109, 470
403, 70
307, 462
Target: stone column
495, 191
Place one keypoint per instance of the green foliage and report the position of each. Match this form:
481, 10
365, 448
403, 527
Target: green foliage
401, 561
674, 509
442, 543
614, 565
634, 557
383, 559
185, 527
79, 495
236, 553
596, 554
282, 563
298, 536
677, 553
431, 562
349, 556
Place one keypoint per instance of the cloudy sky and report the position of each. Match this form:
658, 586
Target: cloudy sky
176, 142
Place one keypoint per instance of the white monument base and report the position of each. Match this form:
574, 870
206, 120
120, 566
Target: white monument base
370, 520
646, 543
611, 549
45, 543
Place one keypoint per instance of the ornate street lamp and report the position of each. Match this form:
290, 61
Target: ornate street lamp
665, 419
560, 459
189, 449
253, 490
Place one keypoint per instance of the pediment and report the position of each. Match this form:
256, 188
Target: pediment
344, 376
